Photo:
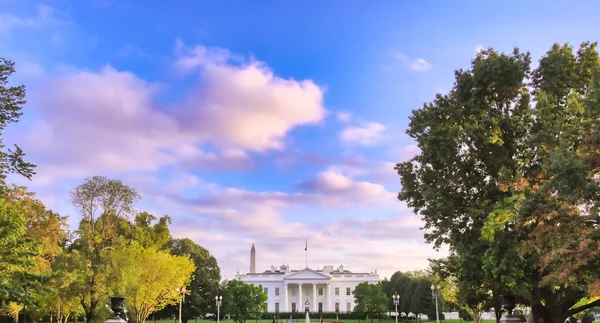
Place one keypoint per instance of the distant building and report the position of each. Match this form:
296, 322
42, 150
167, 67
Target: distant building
321, 290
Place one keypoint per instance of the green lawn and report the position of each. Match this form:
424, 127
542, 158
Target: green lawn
316, 319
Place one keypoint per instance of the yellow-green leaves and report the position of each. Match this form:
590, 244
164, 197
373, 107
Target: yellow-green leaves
149, 279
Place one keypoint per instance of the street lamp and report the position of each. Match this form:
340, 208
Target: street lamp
219, 300
434, 293
396, 299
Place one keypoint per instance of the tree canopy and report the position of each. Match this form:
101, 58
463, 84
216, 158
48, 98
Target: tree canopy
508, 174
204, 287
370, 299
242, 300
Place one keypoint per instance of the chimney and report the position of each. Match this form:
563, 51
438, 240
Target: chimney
253, 260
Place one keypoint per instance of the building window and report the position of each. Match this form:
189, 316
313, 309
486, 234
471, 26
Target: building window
276, 291
266, 291
320, 307
265, 307
337, 291
277, 307
293, 307
293, 292
337, 307
348, 291
348, 306
320, 291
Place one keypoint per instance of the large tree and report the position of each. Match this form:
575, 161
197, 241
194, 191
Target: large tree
204, 286
103, 204
370, 299
509, 157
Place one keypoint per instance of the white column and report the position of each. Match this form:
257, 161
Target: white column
315, 307
285, 293
329, 305
300, 306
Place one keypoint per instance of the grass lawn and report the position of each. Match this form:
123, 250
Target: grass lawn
316, 319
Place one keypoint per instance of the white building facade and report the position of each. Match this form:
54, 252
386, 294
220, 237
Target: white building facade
321, 290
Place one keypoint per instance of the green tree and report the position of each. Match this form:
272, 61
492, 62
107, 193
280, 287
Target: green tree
242, 300
407, 296
148, 278
12, 99
103, 204
17, 251
370, 299
516, 170
205, 284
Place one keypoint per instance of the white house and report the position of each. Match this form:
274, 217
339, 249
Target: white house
320, 290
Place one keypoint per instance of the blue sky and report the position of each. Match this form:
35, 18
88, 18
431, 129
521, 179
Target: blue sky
266, 122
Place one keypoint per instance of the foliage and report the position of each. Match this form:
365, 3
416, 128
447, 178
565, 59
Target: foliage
12, 309
102, 203
206, 278
148, 278
414, 289
510, 166
17, 251
148, 235
370, 299
12, 99
242, 300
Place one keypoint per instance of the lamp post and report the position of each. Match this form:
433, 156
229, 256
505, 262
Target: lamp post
434, 294
219, 300
396, 299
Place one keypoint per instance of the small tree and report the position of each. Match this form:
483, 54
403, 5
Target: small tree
242, 300
149, 279
370, 299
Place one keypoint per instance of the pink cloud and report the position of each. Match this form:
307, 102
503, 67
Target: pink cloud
333, 184
111, 121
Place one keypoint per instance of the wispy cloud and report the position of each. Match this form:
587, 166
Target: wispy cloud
414, 64
367, 134
344, 117
46, 15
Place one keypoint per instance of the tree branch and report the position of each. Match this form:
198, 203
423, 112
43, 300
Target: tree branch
583, 307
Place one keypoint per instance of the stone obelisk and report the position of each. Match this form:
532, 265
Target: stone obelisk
253, 260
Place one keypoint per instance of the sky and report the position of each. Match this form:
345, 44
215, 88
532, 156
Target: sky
276, 123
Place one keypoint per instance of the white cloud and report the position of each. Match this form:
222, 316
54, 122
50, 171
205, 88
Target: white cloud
85, 115
478, 48
414, 64
367, 134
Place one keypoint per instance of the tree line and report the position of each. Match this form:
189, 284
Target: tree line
49, 272
508, 176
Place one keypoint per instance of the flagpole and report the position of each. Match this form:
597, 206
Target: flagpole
306, 252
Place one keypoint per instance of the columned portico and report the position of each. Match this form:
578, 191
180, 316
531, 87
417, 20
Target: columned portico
308, 282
